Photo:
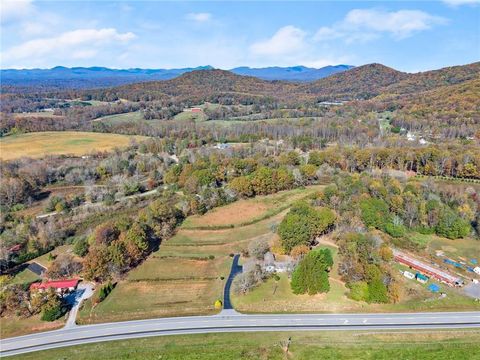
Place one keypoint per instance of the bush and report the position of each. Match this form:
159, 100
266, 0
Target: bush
359, 291
80, 246
395, 230
377, 291
52, 314
104, 291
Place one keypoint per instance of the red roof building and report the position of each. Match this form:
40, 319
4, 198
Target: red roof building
59, 285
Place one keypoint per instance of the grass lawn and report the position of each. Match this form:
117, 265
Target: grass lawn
463, 249
60, 142
430, 345
25, 276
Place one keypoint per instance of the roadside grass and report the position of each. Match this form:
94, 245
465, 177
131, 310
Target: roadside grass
40, 144
418, 344
17, 326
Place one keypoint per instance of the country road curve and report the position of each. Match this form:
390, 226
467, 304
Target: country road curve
227, 322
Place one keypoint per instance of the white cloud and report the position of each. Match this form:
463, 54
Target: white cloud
363, 25
461, 2
80, 43
199, 17
288, 39
12, 10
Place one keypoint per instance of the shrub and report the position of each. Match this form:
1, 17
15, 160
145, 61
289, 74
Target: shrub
104, 291
395, 230
359, 291
80, 246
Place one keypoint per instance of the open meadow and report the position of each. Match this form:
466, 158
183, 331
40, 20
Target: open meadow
60, 143
423, 344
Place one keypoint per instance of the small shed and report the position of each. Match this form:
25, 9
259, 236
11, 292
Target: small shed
421, 278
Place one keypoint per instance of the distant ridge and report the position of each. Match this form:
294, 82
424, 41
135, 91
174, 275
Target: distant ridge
294, 73
90, 77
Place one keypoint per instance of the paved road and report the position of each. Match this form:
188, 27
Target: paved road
236, 269
234, 323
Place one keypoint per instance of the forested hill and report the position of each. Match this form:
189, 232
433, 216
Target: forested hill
429, 80
360, 83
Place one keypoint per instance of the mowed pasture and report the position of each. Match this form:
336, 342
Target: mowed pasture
40, 144
188, 272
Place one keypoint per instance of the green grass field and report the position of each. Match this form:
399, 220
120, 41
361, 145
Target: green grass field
428, 345
58, 143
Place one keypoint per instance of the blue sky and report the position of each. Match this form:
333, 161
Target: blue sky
409, 36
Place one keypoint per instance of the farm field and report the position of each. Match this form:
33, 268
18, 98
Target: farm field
57, 143
189, 270
438, 345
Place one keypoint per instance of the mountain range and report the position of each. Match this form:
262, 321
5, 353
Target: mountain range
84, 77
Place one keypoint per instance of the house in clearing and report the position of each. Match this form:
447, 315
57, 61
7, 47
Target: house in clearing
60, 286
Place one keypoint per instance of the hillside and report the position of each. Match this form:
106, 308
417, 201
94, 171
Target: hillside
362, 82
208, 85
429, 80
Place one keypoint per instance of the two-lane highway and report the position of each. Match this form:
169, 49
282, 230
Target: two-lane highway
231, 322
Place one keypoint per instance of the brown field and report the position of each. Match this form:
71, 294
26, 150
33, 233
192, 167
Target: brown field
60, 143
240, 211
16, 326
249, 210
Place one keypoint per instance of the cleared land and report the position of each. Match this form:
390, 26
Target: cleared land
135, 116
58, 143
188, 273
277, 297
438, 345
247, 211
